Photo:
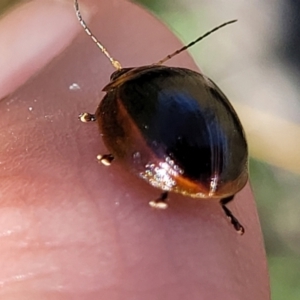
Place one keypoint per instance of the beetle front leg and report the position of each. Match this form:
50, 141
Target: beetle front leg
87, 117
161, 202
105, 159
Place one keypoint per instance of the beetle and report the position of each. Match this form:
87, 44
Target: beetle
174, 128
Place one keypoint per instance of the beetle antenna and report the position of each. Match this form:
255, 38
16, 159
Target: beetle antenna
194, 42
114, 62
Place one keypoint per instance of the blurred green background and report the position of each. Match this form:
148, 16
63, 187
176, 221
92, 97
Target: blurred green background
256, 62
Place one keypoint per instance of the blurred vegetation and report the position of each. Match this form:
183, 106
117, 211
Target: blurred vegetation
276, 190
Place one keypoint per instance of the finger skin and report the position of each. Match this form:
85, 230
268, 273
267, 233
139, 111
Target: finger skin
30, 37
73, 229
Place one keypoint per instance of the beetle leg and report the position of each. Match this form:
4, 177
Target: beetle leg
87, 117
161, 202
234, 221
105, 159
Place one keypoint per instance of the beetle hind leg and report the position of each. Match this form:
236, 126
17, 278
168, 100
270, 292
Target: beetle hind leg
233, 220
105, 159
161, 202
87, 117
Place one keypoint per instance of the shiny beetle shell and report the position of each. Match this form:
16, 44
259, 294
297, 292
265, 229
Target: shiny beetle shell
174, 128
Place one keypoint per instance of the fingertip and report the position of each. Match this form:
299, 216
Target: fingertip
110, 241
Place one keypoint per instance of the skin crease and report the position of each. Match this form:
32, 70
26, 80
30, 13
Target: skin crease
73, 229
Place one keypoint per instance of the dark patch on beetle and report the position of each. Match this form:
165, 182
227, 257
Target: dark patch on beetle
177, 105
